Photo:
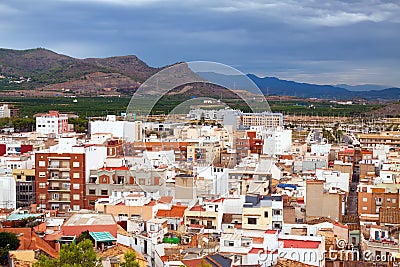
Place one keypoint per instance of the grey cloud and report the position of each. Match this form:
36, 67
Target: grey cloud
312, 41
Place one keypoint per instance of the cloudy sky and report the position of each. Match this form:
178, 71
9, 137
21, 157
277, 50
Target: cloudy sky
325, 42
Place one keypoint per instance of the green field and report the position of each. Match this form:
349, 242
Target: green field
102, 106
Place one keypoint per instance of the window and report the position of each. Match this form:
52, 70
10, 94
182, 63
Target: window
75, 186
92, 192
75, 175
76, 207
75, 197
66, 185
388, 200
393, 200
42, 163
228, 243
75, 164
364, 208
266, 214
42, 185
104, 192
251, 220
152, 228
42, 196
276, 212
42, 174
120, 179
365, 199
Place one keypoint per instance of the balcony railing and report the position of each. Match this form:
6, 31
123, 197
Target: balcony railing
58, 188
64, 177
60, 199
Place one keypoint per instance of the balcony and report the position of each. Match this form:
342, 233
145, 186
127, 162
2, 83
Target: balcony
60, 199
58, 188
59, 167
60, 178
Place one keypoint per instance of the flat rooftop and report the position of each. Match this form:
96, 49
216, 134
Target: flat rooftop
90, 219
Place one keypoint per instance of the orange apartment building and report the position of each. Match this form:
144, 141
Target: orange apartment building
372, 198
60, 180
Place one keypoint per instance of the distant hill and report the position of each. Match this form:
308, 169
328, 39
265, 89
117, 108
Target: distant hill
49, 72
275, 86
52, 74
362, 87
391, 110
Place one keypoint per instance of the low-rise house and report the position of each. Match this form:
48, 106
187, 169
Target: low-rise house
208, 215
262, 213
93, 222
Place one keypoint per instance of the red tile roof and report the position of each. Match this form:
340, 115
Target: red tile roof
122, 168
30, 240
197, 208
175, 212
151, 203
196, 226
192, 263
165, 199
261, 250
293, 243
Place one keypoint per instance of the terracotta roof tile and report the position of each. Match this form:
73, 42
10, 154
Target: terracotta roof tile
175, 212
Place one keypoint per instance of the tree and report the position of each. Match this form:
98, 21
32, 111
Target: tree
80, 124
82, 255
8, 241
130, 259
84, 235
204, 264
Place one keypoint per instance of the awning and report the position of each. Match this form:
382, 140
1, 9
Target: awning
21, 216
100, 237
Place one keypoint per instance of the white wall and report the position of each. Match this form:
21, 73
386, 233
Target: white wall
278, 141
94, 159
8, 195
121, 129
320, 149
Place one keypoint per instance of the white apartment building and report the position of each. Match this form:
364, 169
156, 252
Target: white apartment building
277, 141
52, 123
8, 195
130, 131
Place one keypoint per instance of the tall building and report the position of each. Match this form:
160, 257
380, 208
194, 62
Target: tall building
60, 180
241, 120
62, 172
52, 123
25, 187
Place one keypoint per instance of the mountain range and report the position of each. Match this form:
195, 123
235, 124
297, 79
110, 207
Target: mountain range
53, 74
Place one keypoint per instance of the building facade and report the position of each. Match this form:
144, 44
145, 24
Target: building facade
52, 123
60, 180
